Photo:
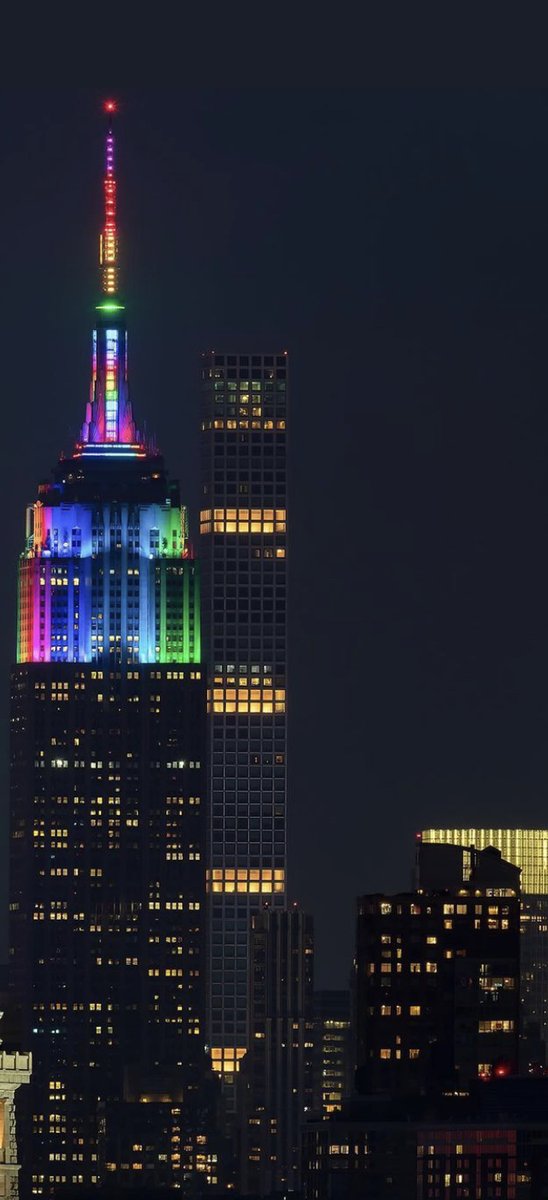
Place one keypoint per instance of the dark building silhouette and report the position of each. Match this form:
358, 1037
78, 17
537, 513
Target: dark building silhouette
437, 977
491, 1142
276, 1081
108, 823
243, 543
528, 849
333, 1055
163, 1133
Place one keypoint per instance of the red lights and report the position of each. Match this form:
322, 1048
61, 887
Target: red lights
109, 106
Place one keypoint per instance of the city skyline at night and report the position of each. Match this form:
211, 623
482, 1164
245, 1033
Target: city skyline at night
238, 690
406, 283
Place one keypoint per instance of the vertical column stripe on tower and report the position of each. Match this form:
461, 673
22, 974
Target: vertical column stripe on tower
243, 528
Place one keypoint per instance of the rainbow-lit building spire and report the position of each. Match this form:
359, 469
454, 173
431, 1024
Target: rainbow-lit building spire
109, 425
110, 519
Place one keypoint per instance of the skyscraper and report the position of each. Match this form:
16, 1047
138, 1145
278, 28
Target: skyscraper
437, 980
276, 1082
243, 541
528, 849
333, 1059
15, 1069
107, 773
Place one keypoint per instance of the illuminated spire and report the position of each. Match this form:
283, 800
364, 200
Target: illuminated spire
108, 241
109, 425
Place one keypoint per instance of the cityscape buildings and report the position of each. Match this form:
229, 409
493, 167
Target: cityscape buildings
15, 1070
243, 548
437, 979
528, 849
333, 1055
276, 1080
108, 822
148, 814
490, 1142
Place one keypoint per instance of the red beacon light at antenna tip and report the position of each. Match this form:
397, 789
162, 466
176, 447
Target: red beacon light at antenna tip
109, 106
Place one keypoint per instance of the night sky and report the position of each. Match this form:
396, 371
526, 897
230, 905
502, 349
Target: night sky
396, 243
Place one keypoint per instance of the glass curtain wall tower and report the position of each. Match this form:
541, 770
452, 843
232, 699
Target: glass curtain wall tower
107, 779
243, 541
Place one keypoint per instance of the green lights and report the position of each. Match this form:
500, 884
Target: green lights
109, 306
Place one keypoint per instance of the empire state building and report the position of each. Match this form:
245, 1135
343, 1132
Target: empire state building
107, 782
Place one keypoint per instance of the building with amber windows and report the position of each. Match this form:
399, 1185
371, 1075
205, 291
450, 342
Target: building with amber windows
489, 1143
437, 977
528, 849
243, 549
333, 1058
108, 828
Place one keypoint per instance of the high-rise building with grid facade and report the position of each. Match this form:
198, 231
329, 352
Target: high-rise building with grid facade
528, 849
275, 1084
243, 548
333, 1058
437, 977
107, 887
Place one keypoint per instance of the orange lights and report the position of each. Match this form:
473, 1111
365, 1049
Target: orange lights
226, 1060
261, 700
243, 520
265, 880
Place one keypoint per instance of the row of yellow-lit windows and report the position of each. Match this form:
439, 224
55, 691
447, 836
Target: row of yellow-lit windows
415, 910
389, 1010
243, 879
496, 1026
386, 1053
415, 967
243, 514
219, 423
250, 694
58, 908
247, 700
244, 527
243, 680
243, 520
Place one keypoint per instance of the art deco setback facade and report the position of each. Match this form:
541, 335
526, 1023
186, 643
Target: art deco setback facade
107, 884
275, 1084
243, 547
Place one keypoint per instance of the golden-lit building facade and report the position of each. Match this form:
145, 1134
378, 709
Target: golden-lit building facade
15, 1069
243, 552
528, 849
